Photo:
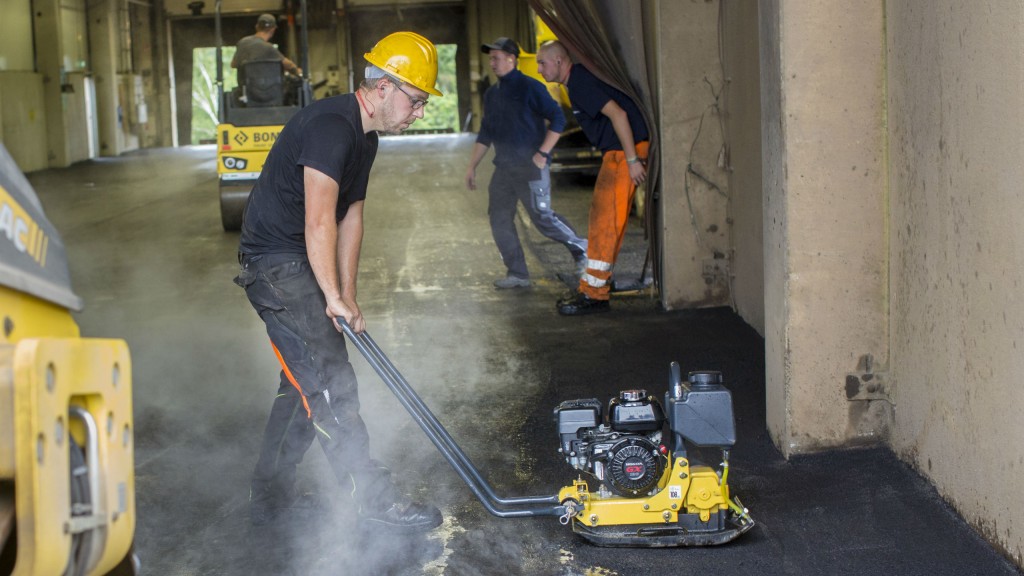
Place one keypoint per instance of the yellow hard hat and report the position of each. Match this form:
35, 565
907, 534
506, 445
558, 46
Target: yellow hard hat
409, 57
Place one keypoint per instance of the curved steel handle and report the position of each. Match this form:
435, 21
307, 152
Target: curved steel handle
443, 441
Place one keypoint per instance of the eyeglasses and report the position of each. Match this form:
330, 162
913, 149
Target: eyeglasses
417, 103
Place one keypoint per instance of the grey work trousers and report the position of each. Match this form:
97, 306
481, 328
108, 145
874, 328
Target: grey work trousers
532, 187
317, 395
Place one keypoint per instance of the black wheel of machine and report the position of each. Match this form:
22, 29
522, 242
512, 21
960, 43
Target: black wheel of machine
233, 198
130, 565
230, 216
8, 528
81, 505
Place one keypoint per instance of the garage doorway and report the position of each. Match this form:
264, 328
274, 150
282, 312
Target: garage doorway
205, 107
442, 114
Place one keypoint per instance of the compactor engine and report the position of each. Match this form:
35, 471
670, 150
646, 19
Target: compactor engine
648, 491
624, 450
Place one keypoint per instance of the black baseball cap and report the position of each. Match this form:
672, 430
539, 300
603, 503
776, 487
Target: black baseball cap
504, 44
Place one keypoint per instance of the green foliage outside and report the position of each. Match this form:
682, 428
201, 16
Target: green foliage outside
204, 90
441, 113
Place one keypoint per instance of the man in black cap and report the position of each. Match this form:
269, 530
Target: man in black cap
258, 47
523, 122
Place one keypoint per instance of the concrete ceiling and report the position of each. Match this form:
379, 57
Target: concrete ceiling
180, 7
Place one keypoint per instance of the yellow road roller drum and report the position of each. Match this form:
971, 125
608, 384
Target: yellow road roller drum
67, 493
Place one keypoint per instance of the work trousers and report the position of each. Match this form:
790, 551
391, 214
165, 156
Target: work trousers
317, 395
609, 213
531, 186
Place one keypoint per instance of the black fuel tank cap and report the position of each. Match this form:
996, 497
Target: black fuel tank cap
705, 379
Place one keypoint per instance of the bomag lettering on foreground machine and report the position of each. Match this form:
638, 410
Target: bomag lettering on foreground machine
250, 118
647, 491
67, 493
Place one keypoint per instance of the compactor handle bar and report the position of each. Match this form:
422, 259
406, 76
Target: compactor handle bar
515, 507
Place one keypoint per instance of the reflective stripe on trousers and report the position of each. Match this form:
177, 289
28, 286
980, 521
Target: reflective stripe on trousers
609, 214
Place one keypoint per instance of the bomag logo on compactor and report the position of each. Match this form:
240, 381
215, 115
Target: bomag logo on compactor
21, 230
248, 138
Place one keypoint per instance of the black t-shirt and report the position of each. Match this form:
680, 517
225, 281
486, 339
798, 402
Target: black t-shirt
327, 136
589, 95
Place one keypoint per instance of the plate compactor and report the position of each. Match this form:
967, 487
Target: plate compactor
649, 494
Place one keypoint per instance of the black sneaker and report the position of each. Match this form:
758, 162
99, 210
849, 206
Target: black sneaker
403, 517
578, 303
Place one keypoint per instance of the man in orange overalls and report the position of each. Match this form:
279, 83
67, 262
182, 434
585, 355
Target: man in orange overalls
612, 123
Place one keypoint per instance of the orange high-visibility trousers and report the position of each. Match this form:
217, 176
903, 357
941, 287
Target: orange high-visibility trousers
609, 213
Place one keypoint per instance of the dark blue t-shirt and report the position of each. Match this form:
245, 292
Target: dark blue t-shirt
589, 95
514, 113
327, 136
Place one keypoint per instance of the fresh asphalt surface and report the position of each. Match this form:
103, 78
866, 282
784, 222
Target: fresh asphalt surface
153, 266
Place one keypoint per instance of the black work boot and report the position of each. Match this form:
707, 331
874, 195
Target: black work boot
578, 303
402, 517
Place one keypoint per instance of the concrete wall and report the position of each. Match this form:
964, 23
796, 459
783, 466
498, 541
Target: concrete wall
86, 106
145, 105
893, 157
773, 148
23, 119
22, 115
113, 101
824, 218
956, 129
16, 36
742, 113
694, 223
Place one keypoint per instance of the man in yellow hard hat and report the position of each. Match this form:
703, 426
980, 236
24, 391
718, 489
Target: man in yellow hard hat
299, 255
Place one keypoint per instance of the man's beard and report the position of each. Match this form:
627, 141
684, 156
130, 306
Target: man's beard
388, 116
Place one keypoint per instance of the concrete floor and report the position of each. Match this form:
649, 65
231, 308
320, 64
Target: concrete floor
153, 266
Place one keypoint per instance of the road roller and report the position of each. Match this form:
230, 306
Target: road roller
67, 491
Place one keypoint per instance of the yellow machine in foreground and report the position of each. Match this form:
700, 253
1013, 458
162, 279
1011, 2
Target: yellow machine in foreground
690, 506
67, 492
647, 493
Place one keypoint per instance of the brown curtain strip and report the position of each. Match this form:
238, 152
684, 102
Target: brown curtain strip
607, 36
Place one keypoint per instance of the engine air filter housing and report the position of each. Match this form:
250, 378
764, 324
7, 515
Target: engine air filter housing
574, 415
